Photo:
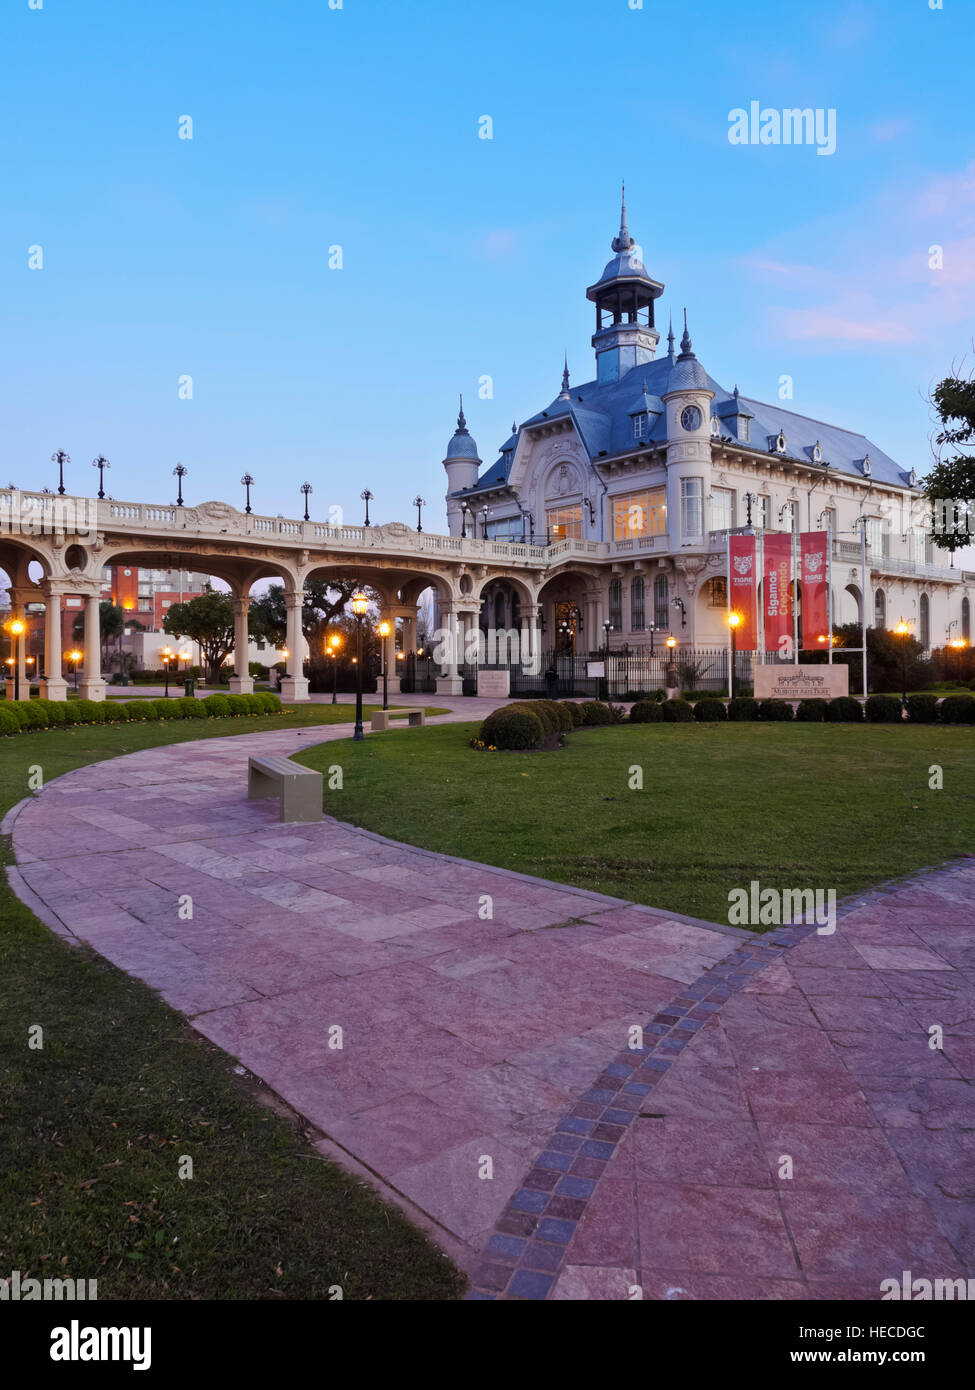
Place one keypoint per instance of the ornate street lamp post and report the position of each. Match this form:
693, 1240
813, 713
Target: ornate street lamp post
484, 516
903, 632
464, 509
384, 630
360, 606
367, 497
60, 458
74, 657
101, 464
419, 504
247, 482
306, 488
734, 622
16, 629
671, 676
334, 642
179, 472
167, 656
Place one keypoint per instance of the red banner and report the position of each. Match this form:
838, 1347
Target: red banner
815, 617
741, 590
776, 600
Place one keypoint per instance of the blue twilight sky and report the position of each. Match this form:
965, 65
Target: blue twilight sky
462, 257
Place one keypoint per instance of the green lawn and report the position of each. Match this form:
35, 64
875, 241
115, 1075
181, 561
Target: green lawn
93, 1126
796, 805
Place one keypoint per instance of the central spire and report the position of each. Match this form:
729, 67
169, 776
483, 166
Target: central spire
623, 242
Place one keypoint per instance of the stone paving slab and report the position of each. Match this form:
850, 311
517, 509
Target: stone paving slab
486, 1074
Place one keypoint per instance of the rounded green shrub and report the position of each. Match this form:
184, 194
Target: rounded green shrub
9, 723
167, 709
255, 705
573, 711
884, 709
142, 709
811, 711
512, 727
710, 711
190, 707
677, 711
775, 710
595, 712
237, 703
90, 711
270, 702
32, 716
646, 712
957, 709
742, 709
117, 711
538, 710
55, 711
217, 706
922, 709
559, 713
844, 710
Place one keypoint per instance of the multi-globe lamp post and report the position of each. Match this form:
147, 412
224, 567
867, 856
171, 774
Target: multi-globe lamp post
360, 606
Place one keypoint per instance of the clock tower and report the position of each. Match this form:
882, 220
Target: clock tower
687, 401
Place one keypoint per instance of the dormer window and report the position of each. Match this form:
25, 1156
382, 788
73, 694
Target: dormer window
639, 426
866, 466
715, 426
913, 477
744, 428
817, 452
780, 443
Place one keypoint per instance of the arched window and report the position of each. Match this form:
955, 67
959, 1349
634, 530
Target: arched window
966, 619
515, 611
661, 602
616, 604
924, 613
880, 609
499, 610
637, 613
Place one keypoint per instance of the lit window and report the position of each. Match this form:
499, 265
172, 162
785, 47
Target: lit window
640, 514
564, 523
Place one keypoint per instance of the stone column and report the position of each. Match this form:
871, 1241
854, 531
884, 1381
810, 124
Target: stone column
53, 686
91, 686
294, 686
241, 683
450, 682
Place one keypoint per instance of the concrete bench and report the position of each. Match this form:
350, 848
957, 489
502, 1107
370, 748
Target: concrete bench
300, 788
381, 717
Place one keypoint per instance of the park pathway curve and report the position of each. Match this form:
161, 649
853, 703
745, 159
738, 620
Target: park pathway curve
486, 1079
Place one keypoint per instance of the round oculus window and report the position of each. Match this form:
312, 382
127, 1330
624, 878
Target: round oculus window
690, 418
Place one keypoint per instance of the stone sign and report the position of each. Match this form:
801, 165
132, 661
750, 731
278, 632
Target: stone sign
781, 682
494, 684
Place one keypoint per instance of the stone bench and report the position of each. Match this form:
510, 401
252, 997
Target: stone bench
381, 717
299, 788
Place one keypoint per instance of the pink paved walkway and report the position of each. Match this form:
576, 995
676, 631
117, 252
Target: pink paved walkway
467, 1078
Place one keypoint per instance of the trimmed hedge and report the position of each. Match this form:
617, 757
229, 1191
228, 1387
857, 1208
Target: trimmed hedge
9, 723
218, 706
595, 712
21, 716
844, 710
922, 709
141, 709
677, 711
710, 711
957, 709
167, 709
512, 726
884, 709
775, 710
646, 712
574, 713
811, 711
742, 709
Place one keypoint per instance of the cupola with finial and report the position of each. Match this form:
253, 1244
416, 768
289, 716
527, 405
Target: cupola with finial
625, 335
461, 464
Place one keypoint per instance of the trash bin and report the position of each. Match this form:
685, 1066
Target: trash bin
121, 680
188, 685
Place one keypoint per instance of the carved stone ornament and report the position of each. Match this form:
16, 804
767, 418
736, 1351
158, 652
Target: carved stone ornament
691, 567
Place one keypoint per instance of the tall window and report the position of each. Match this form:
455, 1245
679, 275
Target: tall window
639, 426
966, 619
789, 516
640, 514
506, 529
565, 523
924, 614
637, 615
616, 604
691, 511
661, 602
880, 609
759, 512
722, 509
830, 520
877, 536
717, 592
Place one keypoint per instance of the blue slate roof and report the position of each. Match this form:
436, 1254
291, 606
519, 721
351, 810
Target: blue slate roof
603, 417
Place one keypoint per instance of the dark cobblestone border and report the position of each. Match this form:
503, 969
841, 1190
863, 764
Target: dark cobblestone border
523, 1258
